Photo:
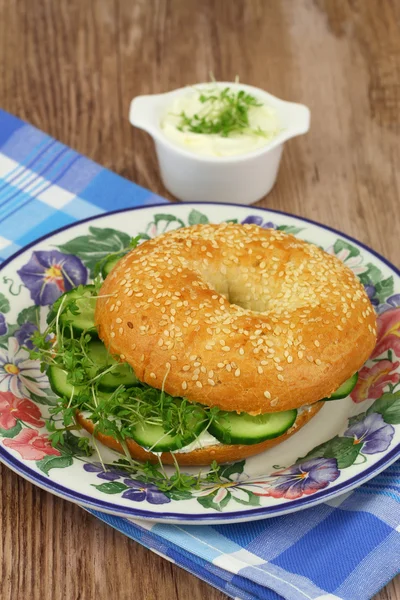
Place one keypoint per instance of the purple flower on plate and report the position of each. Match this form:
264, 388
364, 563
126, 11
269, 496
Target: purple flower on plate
371, 293
257, 220
49, 274
302, 479
3, 325
110, 474
140, 491
392, 302
372, 432
24, 334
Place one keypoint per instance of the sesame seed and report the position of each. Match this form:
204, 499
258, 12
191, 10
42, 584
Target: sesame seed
267, 394
199, 385
280, 377
153, 375
184, 385
237, 373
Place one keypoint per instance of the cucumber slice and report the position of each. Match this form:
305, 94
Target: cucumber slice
345, 389
154, 438
59, 384
83, 321
110, 264
63, 388
121, 375
234, 428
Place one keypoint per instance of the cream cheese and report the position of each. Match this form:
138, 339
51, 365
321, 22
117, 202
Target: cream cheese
260, 117
204, 440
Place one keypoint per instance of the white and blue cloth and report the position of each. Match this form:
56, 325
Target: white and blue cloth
347, 548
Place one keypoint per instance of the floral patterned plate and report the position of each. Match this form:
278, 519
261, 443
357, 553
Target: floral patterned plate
344, 445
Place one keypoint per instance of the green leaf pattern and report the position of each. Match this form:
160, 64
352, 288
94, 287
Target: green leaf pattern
4, 304
95, 246
54, 462
111, 487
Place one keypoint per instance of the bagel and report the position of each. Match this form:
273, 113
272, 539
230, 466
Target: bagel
238, 317
221, 453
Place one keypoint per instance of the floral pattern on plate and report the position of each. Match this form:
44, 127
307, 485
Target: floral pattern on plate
25, 394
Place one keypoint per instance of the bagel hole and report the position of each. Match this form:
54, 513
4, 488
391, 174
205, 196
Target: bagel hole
234, 289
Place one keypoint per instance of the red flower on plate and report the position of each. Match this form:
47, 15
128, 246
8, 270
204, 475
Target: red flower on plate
388, 333
13, 408
373, 380
31, 445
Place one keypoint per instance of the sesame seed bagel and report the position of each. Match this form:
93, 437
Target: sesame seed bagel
236, 316
222, 453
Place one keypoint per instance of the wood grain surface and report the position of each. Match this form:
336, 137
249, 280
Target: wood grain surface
72, 67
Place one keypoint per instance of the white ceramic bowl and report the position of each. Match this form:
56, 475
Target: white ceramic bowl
241, 179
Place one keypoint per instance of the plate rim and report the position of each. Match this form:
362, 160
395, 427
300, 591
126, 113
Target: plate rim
238, 516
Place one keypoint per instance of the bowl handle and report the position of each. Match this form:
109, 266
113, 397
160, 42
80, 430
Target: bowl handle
298, 119
142, 113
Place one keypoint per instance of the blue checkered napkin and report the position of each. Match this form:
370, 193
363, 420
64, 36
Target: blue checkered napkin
348, 548
45, 185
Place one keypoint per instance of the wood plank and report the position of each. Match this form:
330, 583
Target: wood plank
71, 68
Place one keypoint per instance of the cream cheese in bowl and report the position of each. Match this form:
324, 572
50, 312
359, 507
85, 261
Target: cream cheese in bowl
219, 122
226, 149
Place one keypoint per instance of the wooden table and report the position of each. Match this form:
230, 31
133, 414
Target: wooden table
72, 67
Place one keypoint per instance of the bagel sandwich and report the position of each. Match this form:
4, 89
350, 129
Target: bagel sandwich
218, 342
